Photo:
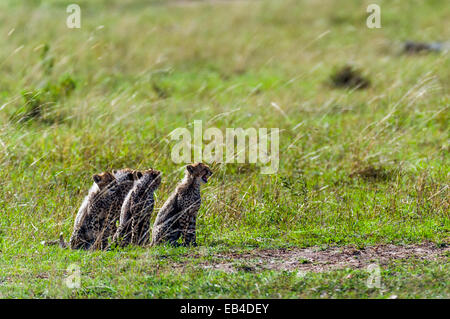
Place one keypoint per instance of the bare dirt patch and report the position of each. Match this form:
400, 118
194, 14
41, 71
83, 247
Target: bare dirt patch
315, 259
349, 77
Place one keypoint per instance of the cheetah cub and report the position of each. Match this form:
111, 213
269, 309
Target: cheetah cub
106, 208
82, 235
137, 209
177, 218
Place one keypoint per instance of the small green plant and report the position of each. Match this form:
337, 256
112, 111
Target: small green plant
47, 60
304, 261
296, 184
161, 91
38, 103
62, 89
32, 107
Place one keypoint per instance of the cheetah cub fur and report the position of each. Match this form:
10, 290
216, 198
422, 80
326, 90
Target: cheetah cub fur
137, 209
82, 235
177, 218
106, 208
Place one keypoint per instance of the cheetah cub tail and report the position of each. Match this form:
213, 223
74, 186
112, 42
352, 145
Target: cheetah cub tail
61, 242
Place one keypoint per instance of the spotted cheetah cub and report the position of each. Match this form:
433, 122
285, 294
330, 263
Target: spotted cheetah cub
106, 208
82, 236
177, 218
137, 210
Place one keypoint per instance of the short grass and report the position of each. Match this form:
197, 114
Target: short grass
109, 94
150, 273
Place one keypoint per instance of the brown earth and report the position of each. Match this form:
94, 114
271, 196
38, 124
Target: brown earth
315, 259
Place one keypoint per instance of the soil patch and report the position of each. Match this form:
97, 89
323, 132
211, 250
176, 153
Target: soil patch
316, 259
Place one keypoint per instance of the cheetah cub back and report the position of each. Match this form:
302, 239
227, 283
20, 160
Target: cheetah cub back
137, 209
82, 235
178, 216
106, 208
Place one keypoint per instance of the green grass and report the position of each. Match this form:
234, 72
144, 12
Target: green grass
142, 69
139, 273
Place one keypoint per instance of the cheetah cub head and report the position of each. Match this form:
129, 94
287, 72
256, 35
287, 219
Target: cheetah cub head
126, 174
151, 178
103, 179
199, 171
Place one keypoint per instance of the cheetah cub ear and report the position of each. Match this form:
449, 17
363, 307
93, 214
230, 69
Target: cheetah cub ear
97, 178
103, 179
156, 173
190, 169
139, 174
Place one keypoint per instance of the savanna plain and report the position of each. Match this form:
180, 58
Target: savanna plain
363, 176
